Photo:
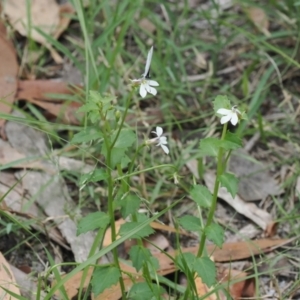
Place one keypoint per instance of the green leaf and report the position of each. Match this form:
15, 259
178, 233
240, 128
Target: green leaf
104, 278
139, 255
201, 195
190, 223
206, 270
185, 261
141, 290
95, 176
209, 146
153, 265
92, 221
125, 228
232, 141
117, 155
125, 140
86, 135
215, 233
221, 102
129, 205
230, 182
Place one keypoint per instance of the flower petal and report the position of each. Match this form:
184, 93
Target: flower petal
153, 83
226, 118
151, 90
163, 140
234, 119
159, 131
143, 90
224, 111
165, 148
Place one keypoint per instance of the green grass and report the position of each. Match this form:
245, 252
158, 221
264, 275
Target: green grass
111, 48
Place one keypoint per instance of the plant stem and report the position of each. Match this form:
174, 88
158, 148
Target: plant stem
215, 193
128, 100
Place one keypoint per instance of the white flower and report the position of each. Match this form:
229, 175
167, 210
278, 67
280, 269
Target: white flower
229, 115
146, 85
160, 139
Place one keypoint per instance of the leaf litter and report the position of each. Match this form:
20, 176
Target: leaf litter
50, 191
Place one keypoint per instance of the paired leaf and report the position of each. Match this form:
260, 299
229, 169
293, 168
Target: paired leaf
125, 139
87, 135
185, 262
95, 176
215, 233
206, 270
139, 255
201, 195
92, 221
231, 141
127, 227
129, 205
104, 278
190, 223
230, 182
141, 290
209, 146
221, 101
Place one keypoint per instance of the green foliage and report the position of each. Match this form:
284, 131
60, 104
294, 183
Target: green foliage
142, 290
125, 139
96, 176
215, 233
127, 227
209, 146
190, 223
103, 278
97, 106
230, 182
92, 221
139, 256
221, 101
129, 205
185, 262
86, 135
231, 142
201, 195
206, 270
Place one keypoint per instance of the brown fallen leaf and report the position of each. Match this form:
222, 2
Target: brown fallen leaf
39, 93
8, 76
39, 89
259, 19
203, 290
240, 285
255, 183
7, 280
28, 287
17, 203
12, 158
46, 15
50, 192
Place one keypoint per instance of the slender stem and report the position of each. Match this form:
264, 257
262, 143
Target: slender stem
215, 193
110, 205
128, 100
